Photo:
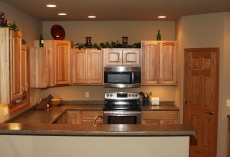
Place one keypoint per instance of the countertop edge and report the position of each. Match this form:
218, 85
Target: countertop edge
96, 130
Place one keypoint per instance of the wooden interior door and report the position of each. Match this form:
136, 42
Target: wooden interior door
201, 84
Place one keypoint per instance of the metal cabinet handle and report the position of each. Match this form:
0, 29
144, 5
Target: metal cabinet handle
23, 89
210, 112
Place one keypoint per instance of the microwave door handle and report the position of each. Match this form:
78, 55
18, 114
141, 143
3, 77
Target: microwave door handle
132, 77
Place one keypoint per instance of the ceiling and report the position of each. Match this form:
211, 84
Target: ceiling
118, 10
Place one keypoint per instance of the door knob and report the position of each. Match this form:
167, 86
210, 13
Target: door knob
211, 113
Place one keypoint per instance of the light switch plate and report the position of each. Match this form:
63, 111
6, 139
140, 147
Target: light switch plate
228, 103
86, 94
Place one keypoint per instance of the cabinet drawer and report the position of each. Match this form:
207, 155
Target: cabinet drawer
86, 115
159, 115
168, 122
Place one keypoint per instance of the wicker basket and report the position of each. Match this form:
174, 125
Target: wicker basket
55, 102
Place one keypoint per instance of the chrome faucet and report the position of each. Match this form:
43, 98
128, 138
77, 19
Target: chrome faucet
95, 119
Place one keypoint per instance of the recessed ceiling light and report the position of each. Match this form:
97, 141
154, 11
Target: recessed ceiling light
51, 5
161, 17
62, 14
91, 16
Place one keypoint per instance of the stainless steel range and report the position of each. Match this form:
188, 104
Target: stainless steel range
122, 108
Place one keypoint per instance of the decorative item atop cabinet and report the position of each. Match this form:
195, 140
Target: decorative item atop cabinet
159, 62
14, 82
86, 66
122, 57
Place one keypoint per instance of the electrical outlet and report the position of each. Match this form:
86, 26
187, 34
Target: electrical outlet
6, 111
155, 101
86, 94
228, 103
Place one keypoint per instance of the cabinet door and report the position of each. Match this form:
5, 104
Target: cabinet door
41, 67
73, 117
79, 66
62, 119
49, 66
24, 69
95, 66
131, 57
150, 62
62, 65
4, 66
87, 117
168, 59
113, 57
16, 82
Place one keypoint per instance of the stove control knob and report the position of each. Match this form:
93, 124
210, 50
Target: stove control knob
136, 95
111, 95
107, 95
132, 95
129, 95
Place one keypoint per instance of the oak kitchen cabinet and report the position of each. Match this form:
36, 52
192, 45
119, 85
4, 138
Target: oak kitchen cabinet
159, 117
42, 67
14, 70
55, 61
119, 56
159, 62
86, 66
79, 117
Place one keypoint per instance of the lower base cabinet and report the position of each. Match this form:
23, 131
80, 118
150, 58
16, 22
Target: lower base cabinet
228, 138
79, 117
159, 117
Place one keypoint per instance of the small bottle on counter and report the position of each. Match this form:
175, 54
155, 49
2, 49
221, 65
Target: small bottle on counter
41, 40
40, 100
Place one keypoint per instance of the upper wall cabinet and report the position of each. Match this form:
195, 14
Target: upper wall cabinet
86, 66
57, 60
14, 82
119, 57
41, 67
159, 62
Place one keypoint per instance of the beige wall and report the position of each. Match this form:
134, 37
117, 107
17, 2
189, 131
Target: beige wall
107, 31
29, 25
165, 93
200, 31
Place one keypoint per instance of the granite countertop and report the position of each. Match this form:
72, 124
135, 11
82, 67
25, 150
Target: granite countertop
51, 113
37, 122
96, 130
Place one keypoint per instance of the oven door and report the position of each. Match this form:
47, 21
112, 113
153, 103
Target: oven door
122, 117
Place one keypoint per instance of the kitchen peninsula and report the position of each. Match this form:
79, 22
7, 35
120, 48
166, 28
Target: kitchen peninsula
39, 138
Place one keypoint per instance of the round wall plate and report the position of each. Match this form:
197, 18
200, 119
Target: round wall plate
57, 32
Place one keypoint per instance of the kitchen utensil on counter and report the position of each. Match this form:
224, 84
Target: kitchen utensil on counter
43, 104
145, 101
55, 102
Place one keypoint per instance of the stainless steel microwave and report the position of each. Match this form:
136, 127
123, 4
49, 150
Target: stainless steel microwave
122, 77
